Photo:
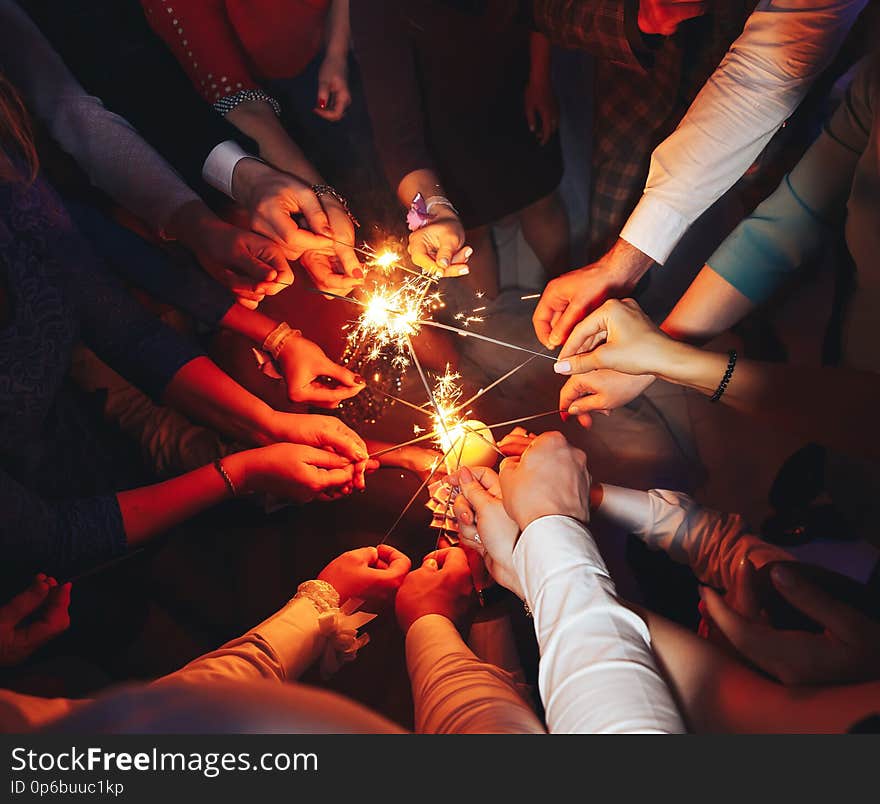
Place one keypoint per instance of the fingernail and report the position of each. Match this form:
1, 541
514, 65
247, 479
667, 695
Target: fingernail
563, 415
41, 576
783, 577
552, 343
465, 475
574, 410
562, 367
430, 562
604, 412
465, 517
468, 253
701, 591
444, 263
322, 104
357, 273
463, 271
359, 380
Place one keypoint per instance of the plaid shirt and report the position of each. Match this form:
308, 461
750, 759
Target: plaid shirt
641, 91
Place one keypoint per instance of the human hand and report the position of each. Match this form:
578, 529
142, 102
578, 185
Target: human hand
542, 109
848, 649
516, 442
440, 246
293, 472
420, 460
32, 618
442, 585
664, 16
568, 298
550, 478
371, 573
484, 525
617, 336
303, 363
323, 432
334, 96
272, 197
600, 391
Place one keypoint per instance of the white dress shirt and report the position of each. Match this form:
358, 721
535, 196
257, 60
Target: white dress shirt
766, 73
114, 156
597, 672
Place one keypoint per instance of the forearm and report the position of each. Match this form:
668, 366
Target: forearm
539, 58
424, 181
456, 693
597, 671
259, 121
338, 30
201, 391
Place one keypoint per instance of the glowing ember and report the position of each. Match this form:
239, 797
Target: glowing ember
385, 260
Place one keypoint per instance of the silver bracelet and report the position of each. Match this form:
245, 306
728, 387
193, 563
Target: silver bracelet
325, 189
218, 465
439, 201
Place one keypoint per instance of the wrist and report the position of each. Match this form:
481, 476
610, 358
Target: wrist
245, 175
527, 518
236, 467
627, 263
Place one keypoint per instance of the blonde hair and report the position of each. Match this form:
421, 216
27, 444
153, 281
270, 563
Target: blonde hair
18, 153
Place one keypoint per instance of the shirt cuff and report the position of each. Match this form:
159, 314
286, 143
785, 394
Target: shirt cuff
220, 165
294, 635
654, 228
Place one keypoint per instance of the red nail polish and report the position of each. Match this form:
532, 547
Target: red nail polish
563, 415
322, 104
359, 380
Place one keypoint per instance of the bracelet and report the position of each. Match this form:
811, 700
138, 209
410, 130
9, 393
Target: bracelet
218, 465
322, 594
227, 103
325, 189
725, 380
274, 341
439, 201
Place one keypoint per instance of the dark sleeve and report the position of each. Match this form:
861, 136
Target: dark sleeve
120, 331
382, 47
115, 55
60, 538
607, 29
180, 283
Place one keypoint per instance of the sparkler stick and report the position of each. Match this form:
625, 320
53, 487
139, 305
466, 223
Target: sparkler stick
524, 419
419, 490
441, 419
416, 440
489, 387
398, 399
479, 435
465, 333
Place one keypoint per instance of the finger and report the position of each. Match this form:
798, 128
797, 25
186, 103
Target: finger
324, 459
543, 318
365, 555
586, 332
397, 563
254, 268
444, 256
454, 560
463, 512
487, 478
530, 116
582, 363
839, 618
323, 99
462, 255
473, 490
418, 252
344, 441
350, 263
325, 397
341, 373
315, 215
275, 222
430, 563
745, 598
25, 603
437, 556
565, 324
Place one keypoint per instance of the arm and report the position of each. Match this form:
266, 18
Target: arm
759, 83
105, 145
785, 229
712, 544
597, 671
456, 693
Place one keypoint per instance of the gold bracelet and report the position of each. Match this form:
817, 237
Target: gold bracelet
218, 465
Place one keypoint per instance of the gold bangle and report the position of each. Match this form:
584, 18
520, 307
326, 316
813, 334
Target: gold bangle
218, 465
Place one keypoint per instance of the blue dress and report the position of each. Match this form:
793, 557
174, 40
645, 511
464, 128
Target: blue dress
59, 466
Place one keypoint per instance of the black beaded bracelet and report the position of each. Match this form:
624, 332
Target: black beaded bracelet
725, 380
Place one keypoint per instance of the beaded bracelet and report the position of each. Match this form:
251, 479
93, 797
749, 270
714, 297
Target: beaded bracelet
274, 341
326, 189
725, 380
218, 465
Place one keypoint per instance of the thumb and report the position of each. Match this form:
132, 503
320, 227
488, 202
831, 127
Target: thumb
473, 490
323, 458
566, 323
581, 363
365, 555
25, 603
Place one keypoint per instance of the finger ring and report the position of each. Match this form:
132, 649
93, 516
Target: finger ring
477, 538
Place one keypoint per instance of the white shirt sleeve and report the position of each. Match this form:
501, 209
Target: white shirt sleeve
113, 155
220, 165
455, 692
597, 672
712, 544
766, 73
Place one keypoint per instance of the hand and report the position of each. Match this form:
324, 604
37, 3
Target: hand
568, 298
371, 573
326, 273
334, 96
293, 472
323, 432
442, 585
664, 16
550, 478
303, 364
272, 197
440, 247
617, 336
847, 651
542, 110
44, 606
516, 442
419, 460
600, 391
484, 525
